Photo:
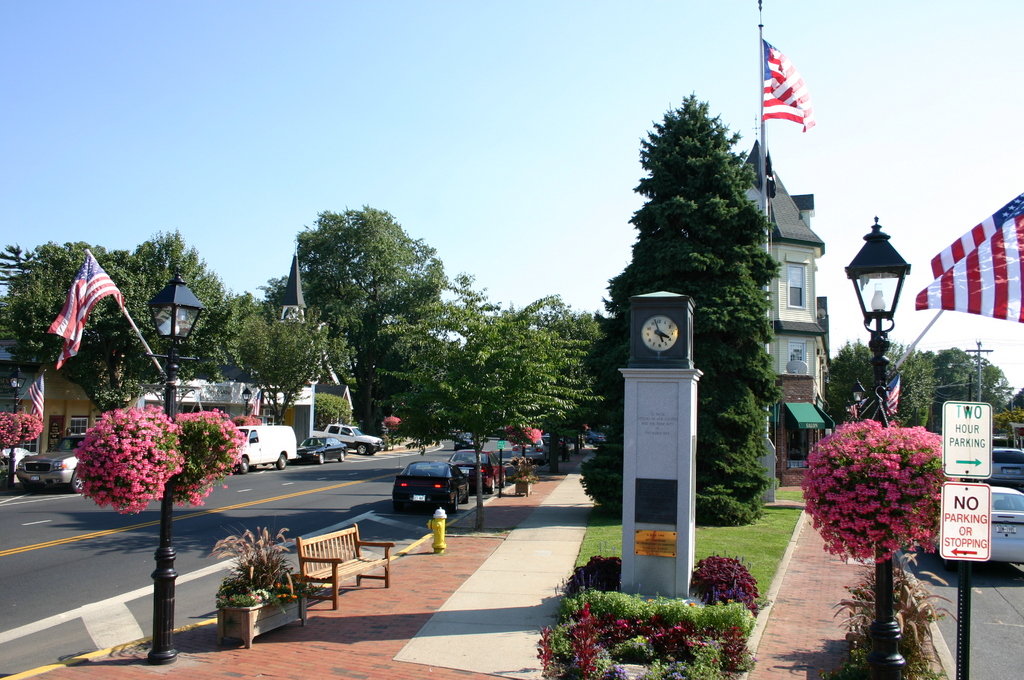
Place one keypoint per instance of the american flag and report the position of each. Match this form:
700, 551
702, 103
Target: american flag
785, 94
980, 273
257, 403
90, 286
892, 402
35, 393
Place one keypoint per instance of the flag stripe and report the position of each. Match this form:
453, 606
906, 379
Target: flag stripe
976, 236
35, 393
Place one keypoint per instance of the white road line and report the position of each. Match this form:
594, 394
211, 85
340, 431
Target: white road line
242, 490
100, 610
42, 521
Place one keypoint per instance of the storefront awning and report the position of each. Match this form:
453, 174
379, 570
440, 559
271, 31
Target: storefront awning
807, 416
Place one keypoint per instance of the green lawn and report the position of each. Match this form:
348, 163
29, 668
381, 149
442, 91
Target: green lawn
760, 546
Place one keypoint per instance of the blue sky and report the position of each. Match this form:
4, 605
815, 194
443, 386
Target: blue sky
504, 134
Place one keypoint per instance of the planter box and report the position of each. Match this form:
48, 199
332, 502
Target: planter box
523, 488
245, 623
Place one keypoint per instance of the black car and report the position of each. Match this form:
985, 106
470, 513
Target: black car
430, 482
320, 449
462, 441
1007, 468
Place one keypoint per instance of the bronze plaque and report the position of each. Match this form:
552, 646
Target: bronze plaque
656, 543
655, 501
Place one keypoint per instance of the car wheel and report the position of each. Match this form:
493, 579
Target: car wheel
362, 449
341, 457
282, 462
243, 465
320, 459
76, 484
398, 505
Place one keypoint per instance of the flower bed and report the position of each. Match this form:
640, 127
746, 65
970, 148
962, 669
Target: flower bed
599, 632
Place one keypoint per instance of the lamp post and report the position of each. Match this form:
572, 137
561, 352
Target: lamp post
175, 310
15, 382
879, 266
247, 396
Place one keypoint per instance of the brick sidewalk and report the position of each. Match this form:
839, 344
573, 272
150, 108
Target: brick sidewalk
802, 638
361, 638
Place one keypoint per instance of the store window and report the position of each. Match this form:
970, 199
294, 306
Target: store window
79, 424
796, 450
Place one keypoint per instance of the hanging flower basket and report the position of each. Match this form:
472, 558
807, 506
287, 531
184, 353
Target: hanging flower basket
872, 490
127, 457
211, 447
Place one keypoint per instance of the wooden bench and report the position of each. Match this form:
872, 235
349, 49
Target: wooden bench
331, 558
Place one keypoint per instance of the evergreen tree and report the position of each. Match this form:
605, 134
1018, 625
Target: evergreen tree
700, 235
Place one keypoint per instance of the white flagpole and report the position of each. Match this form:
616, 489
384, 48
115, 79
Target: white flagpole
124, 310
910, 349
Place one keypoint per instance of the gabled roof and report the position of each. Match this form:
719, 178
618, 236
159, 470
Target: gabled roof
785, 212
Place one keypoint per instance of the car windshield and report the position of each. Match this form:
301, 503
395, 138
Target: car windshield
427, 469
463, 457
313, 441
69, 443
1007, 502
1007, 456
357, 432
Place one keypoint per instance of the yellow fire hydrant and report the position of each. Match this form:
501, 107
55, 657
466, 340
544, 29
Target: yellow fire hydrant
437, 526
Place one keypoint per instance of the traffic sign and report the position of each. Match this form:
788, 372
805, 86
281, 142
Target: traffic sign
966, 529
967, 439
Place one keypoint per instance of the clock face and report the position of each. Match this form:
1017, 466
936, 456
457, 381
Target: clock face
659, 332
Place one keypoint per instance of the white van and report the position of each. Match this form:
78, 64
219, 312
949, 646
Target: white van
266, 445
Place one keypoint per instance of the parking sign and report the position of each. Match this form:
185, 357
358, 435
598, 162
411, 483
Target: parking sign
966, 527
967, 439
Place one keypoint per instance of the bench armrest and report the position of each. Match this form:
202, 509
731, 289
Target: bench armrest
387, 545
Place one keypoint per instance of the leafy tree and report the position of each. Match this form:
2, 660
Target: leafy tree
852, 363
330, 408
956, 378
699, 235
368, 276
111, 366
483, 368
282, 357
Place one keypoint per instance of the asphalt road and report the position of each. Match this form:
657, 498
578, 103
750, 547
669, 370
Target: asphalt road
996, 614
75, 577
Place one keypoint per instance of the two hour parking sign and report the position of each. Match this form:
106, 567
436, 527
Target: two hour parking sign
967, 439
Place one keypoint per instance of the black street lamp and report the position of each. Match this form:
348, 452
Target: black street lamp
15, 382
247, 396
175, 311
879, 266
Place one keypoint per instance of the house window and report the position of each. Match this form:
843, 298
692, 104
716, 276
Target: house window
79, 424
796, 285
797, 350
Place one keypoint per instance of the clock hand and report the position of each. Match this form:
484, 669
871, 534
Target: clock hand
661, 334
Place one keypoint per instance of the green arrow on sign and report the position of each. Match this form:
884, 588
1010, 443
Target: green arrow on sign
973, 461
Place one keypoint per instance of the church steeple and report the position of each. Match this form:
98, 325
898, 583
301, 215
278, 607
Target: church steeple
293, 307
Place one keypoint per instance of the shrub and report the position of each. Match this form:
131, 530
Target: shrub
602, 573
725, 579
602, 478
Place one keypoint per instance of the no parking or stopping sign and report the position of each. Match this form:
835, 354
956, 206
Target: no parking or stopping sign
966, 529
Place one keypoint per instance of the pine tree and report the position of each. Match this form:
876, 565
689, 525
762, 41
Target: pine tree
700, 235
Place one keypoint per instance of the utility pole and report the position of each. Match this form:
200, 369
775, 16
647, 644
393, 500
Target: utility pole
977, 353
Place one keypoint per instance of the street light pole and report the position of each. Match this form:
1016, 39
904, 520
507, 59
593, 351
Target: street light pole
175, 310
879, 264
16, 382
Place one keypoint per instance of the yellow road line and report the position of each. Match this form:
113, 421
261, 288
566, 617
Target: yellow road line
200, 513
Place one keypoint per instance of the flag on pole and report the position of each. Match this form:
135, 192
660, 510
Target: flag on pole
785, 93
257, 403
892, 402
91, 284
35, 393
980, 273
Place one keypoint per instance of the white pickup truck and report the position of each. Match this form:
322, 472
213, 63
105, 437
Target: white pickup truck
352, 438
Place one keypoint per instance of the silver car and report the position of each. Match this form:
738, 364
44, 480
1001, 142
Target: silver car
1007, 525
56, 468
1007, 468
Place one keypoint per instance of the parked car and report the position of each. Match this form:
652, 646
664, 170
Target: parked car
53, 469
491, 468
267, 445
430, 482
593, 438
1007, 468
320, 449
461, 441
1007, 525
353, 438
